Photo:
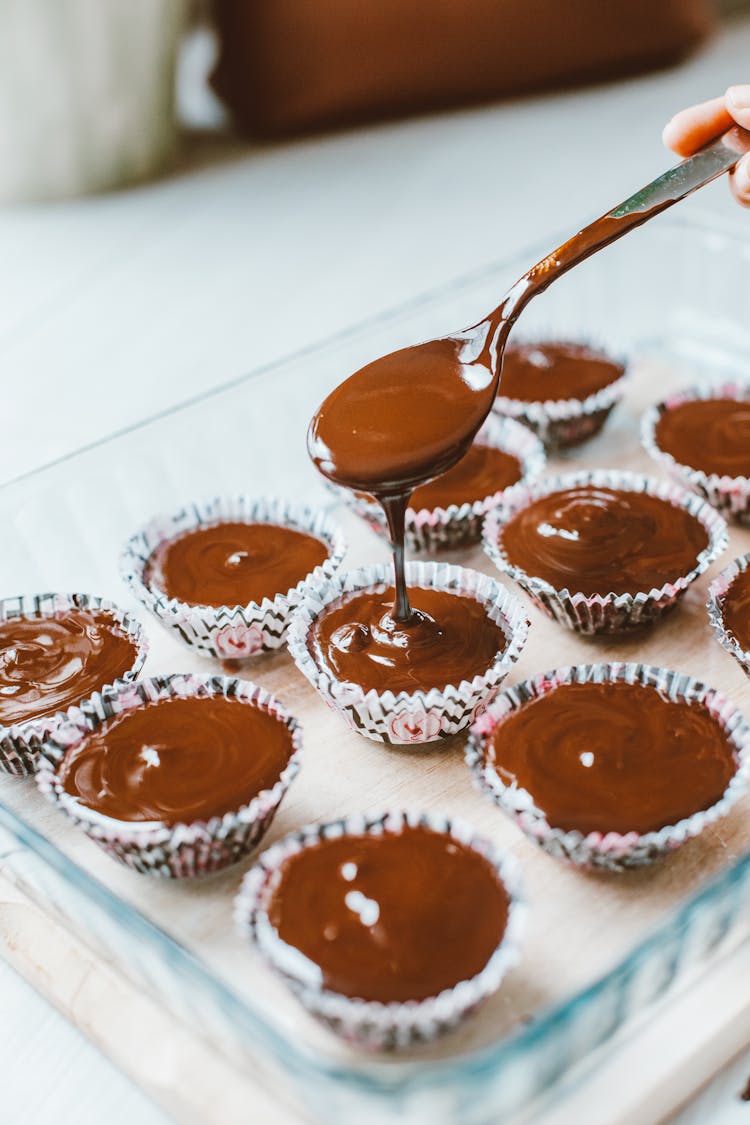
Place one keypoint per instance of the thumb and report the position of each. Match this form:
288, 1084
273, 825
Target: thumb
740, 180
737, 101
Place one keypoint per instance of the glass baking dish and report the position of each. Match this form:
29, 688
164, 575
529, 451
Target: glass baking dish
673, 297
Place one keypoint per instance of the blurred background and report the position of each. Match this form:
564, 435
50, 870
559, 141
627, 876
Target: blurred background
189, 190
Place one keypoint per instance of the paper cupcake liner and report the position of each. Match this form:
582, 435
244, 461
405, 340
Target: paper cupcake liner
229, 632
21, 743
440, 529
560, 423
611, 851
411, 718
729, 495
603, 613
367, 1023
716, 595
178, 851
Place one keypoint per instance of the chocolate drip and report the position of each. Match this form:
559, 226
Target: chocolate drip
596, 540
178, 760
614, 757
234, 563
712, 435
393, 917
447, 639
48, 662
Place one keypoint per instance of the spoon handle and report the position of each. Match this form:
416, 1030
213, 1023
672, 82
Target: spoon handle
676, 183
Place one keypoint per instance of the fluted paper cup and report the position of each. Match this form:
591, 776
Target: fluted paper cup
717, 593
411, 718
373, 1024
611, 851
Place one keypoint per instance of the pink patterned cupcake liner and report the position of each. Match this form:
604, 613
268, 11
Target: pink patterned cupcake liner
561, 423
729, 495
183, 850
21, 743
717, 592
370, 1024
610, 851
603, 613
411, 718
440, 529
229, 632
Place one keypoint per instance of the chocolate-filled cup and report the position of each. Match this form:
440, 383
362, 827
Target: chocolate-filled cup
617, 849
424, 715
724, 479
373, 1024
21, 741
237, 632
180, 844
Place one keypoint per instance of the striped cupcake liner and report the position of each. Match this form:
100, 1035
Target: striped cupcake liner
411, 718
562, 423
183, 850
603, 613
457, 525
717, 592
370, 1024
729, 495
609, 851
21, 743
229, 632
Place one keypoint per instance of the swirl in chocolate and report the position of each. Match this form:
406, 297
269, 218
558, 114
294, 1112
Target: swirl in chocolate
234, 563
50, 661
449, 638
712, 435
736, 609
178, 760
484, 471
614, 757
597, 540
542, 372
393, 917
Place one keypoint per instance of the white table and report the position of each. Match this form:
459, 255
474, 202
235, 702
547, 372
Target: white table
117, 307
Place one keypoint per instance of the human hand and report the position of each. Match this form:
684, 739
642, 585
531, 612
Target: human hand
694, 127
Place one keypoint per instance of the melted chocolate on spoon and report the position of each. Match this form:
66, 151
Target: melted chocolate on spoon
406, 418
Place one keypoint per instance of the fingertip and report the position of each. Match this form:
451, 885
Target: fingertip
737, 101
675, 134
740, 181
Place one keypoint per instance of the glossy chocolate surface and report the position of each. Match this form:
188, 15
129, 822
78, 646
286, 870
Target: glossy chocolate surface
178, 760
234, 563
597, 540
449, 638
712, 435
483, 471
736, 610
614, 757
49, 662
393, 917
550, 371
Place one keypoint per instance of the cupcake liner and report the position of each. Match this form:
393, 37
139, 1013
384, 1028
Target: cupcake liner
729, 495
611, 851
440, 529
178, 851
21, 743
603, 613
411, 718
229, 632
716, 594
560, 423
374, 1024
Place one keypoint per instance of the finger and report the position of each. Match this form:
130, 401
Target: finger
740, 181
738, 104
692, 128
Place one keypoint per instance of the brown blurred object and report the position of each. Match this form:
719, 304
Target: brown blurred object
287, 66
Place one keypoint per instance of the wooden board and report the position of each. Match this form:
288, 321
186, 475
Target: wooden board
579, 924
